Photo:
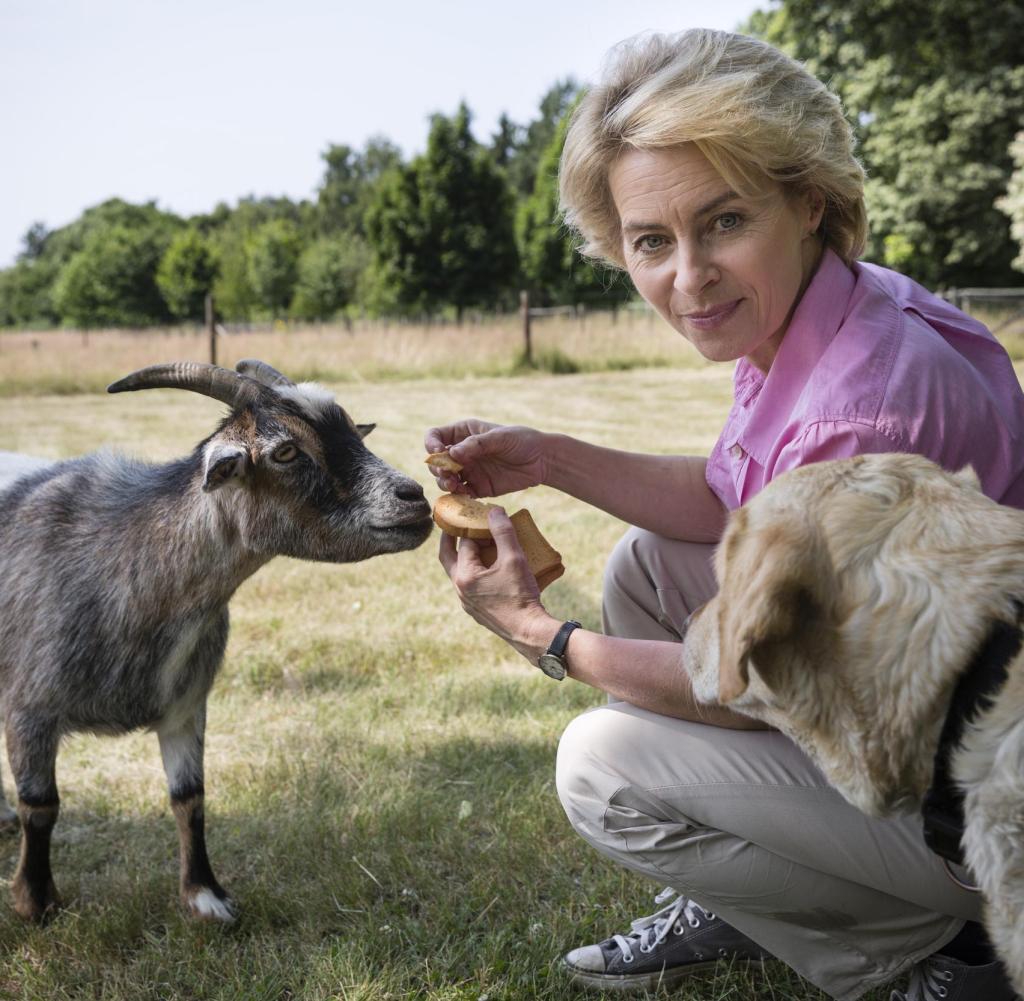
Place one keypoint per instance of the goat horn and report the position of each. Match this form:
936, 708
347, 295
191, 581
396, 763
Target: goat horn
262, 372
198, 377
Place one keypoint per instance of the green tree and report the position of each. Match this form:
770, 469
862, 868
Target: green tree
329, 271
231, 232
506, 142
111, 281
553, 270
934, 181
349, 183
186, 274
935, 88
28, 290
523, 154
62, 244
1012, 203
272, 261
34, 242
26, 298
441, 228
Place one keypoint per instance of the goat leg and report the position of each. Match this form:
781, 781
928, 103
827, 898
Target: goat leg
182, 751
8, 817
32, 747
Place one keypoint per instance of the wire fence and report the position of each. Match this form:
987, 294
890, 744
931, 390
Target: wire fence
1004, 306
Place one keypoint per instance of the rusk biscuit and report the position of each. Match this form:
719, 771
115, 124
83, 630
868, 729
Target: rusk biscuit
466, 517
442, 460
463, 516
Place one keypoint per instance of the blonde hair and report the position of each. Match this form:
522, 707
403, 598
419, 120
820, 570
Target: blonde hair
756, 114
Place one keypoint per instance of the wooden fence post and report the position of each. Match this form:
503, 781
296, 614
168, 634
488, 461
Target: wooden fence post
524, 310
211, 329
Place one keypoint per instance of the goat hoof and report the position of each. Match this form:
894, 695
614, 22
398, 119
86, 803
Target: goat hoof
38, 905
207, 904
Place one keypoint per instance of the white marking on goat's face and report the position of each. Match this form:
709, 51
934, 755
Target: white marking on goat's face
205, 904
314, 490
310, 397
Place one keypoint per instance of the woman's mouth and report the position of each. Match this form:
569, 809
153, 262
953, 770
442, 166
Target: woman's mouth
715, 316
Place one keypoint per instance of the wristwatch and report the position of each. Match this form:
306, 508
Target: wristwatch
552, 661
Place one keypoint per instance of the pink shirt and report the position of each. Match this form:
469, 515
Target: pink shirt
873, 362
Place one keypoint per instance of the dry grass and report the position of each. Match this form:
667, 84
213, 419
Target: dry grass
61, 361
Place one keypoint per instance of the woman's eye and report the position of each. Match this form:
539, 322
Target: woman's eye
729, 220
649, 244
284, 453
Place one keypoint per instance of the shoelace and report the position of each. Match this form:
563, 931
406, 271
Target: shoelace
927, 983
649, 932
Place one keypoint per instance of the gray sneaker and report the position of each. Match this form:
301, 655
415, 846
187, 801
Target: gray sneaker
941, 978
662, 949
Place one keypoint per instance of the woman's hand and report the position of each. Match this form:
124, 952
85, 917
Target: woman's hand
495, 458
502, 597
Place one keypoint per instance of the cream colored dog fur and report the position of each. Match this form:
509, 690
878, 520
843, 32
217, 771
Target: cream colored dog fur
853, 595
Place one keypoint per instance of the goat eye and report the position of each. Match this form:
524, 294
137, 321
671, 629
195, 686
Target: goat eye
284, 453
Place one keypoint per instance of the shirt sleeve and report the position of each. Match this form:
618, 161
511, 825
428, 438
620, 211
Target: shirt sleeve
825, 440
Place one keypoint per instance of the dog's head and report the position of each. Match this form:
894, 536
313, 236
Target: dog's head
852, 595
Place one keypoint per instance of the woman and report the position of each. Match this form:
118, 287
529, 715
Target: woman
720, 175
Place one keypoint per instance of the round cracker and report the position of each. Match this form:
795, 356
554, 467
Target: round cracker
457, 514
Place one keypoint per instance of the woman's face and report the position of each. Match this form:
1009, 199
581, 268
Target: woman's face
724, 271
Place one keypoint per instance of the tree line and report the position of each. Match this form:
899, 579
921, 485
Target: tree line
463, 225
934, 88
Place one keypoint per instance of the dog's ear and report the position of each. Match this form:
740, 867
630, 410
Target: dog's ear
776, 593
969, 476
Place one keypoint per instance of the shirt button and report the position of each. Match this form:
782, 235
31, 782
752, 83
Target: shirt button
736, 451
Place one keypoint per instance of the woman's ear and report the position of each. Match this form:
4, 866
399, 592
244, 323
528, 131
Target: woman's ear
815, 202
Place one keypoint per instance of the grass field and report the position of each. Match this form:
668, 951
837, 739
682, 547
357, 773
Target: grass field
379, 770
65, 361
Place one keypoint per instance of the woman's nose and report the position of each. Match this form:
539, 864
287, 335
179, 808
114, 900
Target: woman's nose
695, 271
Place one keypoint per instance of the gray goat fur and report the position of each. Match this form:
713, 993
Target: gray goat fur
117, 576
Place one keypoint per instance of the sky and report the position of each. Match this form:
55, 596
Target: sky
194, 102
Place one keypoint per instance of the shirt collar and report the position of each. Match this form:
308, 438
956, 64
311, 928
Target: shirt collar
816, 321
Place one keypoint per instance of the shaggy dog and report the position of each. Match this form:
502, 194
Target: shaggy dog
854, 594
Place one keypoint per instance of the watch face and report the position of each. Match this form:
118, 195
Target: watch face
552, 666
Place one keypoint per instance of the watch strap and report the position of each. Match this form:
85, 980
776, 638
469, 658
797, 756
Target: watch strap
561, 640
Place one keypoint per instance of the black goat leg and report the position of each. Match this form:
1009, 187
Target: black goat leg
181, 747
32, 748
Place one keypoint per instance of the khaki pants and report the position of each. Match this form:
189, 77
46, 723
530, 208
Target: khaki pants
742, 821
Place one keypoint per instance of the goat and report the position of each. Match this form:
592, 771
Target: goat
117, 576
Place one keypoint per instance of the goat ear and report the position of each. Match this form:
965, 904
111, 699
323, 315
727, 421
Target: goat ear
776, 596
224, 464
364, 429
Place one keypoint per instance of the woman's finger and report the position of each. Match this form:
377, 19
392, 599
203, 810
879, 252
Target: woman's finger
504, 532
448, 554
469, 556
475, 447
432, 440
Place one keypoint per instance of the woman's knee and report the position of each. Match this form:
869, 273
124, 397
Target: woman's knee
582, 769
629, 561
652, 583
629, 594
604, 755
